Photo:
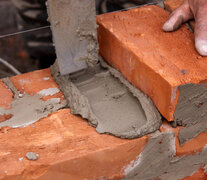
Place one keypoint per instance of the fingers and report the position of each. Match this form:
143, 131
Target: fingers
179, 16
201, 30
173, 23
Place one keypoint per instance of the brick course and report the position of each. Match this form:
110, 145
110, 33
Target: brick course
68, 147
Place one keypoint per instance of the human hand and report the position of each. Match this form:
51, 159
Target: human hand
190, 9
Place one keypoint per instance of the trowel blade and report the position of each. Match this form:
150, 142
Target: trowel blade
69, 21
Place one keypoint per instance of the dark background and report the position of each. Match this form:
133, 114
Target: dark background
13, 48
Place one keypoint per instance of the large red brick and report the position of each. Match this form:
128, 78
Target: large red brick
156, 62
68, 148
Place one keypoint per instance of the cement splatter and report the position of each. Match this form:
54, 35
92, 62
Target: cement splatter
160, 148
46, 78
20, 159
191, 111
48, 92
27, 109
32, 156
158, 161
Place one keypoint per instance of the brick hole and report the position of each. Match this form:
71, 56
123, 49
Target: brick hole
201, 104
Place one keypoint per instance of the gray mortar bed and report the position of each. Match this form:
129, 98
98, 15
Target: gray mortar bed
109, 102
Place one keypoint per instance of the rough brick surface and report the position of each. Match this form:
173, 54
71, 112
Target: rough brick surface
199, 175
171, 5
6, 96
33, 82
154, 61
5, 117
68, 148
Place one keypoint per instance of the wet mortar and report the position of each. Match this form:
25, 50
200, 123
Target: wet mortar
109, 102
28, 109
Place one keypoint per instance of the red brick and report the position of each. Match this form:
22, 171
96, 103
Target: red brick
68, 148
5, 117
34, 82
199, 175
190, 147
171, 5
6, 96
133, 42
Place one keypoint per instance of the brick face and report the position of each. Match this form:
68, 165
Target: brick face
68, 148
33, 82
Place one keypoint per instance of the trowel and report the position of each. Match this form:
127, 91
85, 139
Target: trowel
73, 24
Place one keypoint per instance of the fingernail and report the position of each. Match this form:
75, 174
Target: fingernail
167, 26
201, 47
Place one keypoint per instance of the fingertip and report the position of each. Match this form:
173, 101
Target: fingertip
168, 27
173, 23
201, 46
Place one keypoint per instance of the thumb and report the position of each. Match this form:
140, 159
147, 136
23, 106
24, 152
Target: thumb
179, 16
201, 31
